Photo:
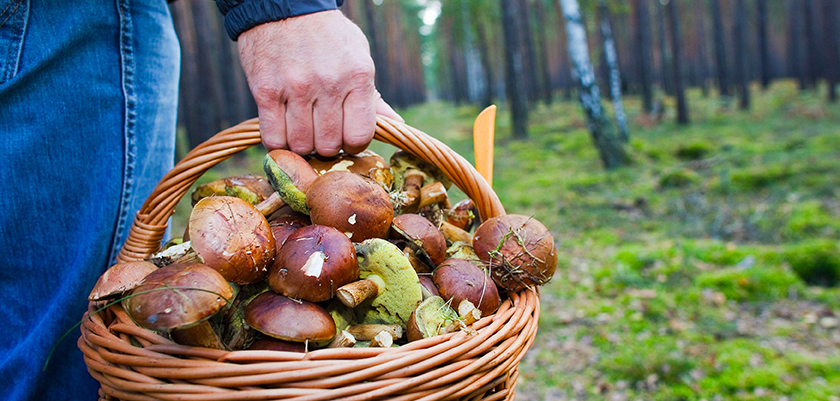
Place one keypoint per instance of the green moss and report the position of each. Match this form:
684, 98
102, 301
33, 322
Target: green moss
757, 283
760, 177
816, 261
678, 178
694, 151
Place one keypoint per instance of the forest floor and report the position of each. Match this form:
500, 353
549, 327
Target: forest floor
707, 269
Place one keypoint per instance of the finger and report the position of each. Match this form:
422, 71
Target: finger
273, 126
385, 109
299, 131
327, 118
359, 120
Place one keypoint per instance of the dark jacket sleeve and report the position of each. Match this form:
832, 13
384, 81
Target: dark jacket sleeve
242, 15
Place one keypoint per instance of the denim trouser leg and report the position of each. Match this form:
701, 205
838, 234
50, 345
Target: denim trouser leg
88, 94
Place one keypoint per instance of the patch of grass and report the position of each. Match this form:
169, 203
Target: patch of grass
816, 261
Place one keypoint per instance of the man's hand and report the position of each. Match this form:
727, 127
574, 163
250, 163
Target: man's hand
312, 79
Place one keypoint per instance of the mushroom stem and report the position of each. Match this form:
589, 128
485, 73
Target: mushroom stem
413, 181
468, 312
356, 292
433, 194
453, 233
367, 332
383, 339
342, 340
271, 204
199, 335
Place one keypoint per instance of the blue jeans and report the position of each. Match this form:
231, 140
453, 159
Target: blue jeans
88, 100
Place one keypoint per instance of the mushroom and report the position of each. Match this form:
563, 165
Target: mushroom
264, 343
287, 319
459, 280
120, 278
518, 250
313, 262
291, 176
426, 240
367, 332
357, 206
427, 286
231, 236
462, 214
366, 163
181, 296
432, 317
410, 174
453, 233
286, 221
389, 290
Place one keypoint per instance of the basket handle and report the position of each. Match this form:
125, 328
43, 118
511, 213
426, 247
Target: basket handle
151, 221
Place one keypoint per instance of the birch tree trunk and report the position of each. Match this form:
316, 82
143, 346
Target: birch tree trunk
614, 75
514, 71
609, 145
645, 56
676, 55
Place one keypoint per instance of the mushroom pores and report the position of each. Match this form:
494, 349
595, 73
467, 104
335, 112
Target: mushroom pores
232, 237
176, 296
313, 263
288, 319
357, 206
518, 250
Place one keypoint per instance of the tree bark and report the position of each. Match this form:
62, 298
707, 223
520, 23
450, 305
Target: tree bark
795, 52
702, 50
377, 48
663, 48
812, 40
472, 61
676, 55
720, 49
645, 67
514, 71
609, 145
739, 33
763, 48
565, 63
614, 75
529, 57
542, 43
832, 48
484, 52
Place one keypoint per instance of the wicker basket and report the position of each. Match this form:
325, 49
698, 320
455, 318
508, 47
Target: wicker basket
133, 363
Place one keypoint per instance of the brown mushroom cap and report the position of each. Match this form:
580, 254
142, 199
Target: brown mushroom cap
313, 262
287, 319
459, 279
357, 206
518, 250
420, 232
272, 344
231, 236
366, 163
120, 278
250, 188
284, 222
176, 296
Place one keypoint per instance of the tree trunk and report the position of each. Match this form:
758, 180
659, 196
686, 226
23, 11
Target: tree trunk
609, 145
565, 63
702, 51
484, 52
377, 48
645, 53
663, 48
795, 53
832, 49
720, 49
676, 54
612, 65
514, 71
472, 61
812, 40
739, 33
542, 43
529, 60
763, 48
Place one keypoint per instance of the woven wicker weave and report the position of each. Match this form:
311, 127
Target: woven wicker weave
132, 363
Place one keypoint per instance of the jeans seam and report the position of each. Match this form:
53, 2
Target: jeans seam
10, 63
129, 128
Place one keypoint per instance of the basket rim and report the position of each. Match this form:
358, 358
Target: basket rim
455, 365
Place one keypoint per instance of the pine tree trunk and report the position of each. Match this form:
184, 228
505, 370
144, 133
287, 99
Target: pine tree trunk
676, 55
702, 50
614, 76
514, 71
645, 67
542, 43
377, 48
720, 49
609, 145
663, 48
812, 40
832, 48
763, 47
796, 54
741, 65
529, 58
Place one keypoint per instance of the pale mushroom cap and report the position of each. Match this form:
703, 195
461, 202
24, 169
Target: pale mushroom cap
399, 291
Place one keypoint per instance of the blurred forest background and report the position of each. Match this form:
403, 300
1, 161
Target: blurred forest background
516, 52
698, 239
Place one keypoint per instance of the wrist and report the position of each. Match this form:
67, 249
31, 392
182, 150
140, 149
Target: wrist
242, 15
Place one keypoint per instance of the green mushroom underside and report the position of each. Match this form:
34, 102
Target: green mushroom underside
281, 182
394, 305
